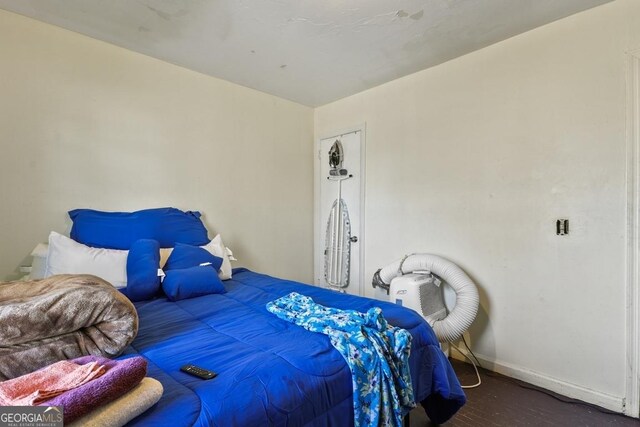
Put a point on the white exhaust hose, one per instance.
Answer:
(460, 318)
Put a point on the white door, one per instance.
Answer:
(328, 191)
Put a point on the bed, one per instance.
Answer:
(270, 372)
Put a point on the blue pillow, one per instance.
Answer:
(186, 256)
(118, 230)
(192, 282)
(143, 261)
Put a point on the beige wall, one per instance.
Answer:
(476, 158)
(87, 124)
(473, 160)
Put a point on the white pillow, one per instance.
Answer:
(217, 248)
(39, 261)
(67, 256)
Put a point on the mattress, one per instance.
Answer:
(270, 372)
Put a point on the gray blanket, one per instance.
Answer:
(62, 317)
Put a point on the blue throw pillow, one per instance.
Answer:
(186, 256)
(118, 230)
(143, 261)
(192, 282)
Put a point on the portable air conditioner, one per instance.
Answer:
(421, 293)
(414, 282)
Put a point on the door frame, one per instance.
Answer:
(318, 243)
(632, 353)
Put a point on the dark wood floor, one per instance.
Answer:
(502, 401)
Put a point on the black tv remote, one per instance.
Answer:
(196, 371)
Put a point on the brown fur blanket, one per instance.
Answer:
(62, 317)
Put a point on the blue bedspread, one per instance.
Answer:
(270, 372)
(376, 352)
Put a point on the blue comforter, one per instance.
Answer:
(270, 372)
(376, 352)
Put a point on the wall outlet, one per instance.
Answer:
(562, 226)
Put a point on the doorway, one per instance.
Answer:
(339, 212)
(632, 392)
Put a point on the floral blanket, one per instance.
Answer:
(376, 352)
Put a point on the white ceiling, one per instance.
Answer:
(309, 51)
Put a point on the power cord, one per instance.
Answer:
(472, 363)
(464, 340)
(529, 387)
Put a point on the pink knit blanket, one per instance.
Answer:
(36, 387)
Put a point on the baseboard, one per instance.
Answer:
(604, 400)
